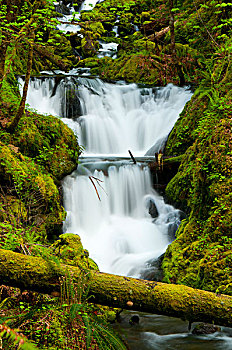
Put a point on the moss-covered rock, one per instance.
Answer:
(71, 252)
(32, 186)
(49, 142)
(201, 254)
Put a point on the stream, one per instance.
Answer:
(110, 202)
(130, 227)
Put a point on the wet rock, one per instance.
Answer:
(172, 228)
(62, 8)
(174, 221)
(153, 210)
(153, 271)
(73, 106)
(134, 320)
(205, 328)
(70, 103)
(77, 4)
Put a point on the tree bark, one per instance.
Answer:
(34, 273)
(3, 50)
(22, 104)
(172, 30)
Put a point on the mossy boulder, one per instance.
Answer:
(42, 150)
(97, 27)
(31, 185)
(89, 44)
(70, 251)
(49, 142)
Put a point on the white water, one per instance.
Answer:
(108, 49)
(114, 117)
(118, 230)
(66, 21)
(88, 5)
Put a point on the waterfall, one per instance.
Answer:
(108, 201)
(111, 118)
(117, 229)
(88, 5)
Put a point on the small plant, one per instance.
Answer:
(90, 331)
(10, 337)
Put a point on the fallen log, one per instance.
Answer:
(159, 35)
(42, 51)
(34, 273)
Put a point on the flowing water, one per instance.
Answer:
(118, 230)
(129, 228)
(123, 235)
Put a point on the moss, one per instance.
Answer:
(145, 16)
(71, 252)
(33, 187)
(13, 208)
(97, 27)
(183, 134)
(200, 256)
(49, 142)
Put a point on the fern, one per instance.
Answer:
(16, 338)
(106, 338)
(74, 309)
(88, 329)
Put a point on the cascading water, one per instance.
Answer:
(113, 117)
(66, 22)
(118, 230)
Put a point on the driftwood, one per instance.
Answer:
(159, 35)
(34, 273)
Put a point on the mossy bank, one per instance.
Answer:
(33, 160)
(201, 254)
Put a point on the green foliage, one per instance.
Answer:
(96, 331)
(12, 338)
(200, 255)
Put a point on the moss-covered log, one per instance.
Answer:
(42, 51)
(35, 273)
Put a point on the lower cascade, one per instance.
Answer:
(118, 229)
(108, 199)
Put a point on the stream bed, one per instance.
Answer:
(157, 332)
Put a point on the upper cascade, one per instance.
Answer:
(112, 118)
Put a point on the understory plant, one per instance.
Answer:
(67, 321)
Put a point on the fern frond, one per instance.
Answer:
(16, 338)
(107, 338)
(74, 309)
(88, 329)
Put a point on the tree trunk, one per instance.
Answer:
(22, 104)
(3, 50)
(172, 31)
(36, 274)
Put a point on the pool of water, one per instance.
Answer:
(155, 332)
